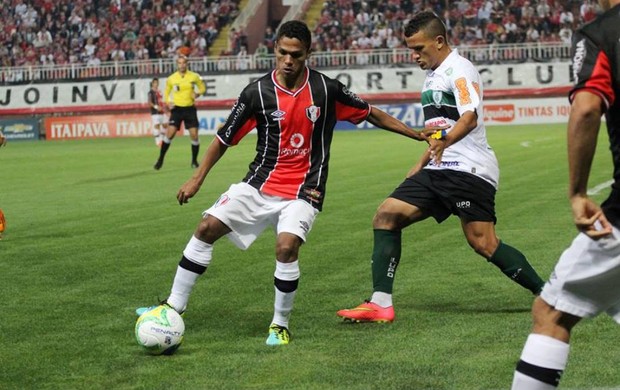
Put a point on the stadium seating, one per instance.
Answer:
(364, 25)
(40, 32)
(65, 35)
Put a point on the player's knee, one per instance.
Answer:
(385, 219)
(287, 250)
(483, 245)
(549, 321)
(209, 230)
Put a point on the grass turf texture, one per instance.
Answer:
(94, 232)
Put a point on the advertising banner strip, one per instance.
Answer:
(374, 84)
(98, 126)
(26, 129)
(496, 112)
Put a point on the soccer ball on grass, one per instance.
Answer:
(160, 331)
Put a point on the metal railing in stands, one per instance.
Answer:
(480, 55)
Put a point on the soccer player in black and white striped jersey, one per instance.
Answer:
(585, 280)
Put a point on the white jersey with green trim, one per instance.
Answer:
(449, 91)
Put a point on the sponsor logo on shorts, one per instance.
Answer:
(222, 200)
(465, 204)
(305, 226)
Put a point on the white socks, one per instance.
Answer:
(199, 254)
(542, 363)
(283, 303)
(182, 286)
(382, 299)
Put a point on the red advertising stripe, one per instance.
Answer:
(97, 126)
(499, 112)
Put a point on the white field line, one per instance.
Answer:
(598, 188)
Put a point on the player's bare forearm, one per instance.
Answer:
(387, 122)
(466, 123)
(440, 140)
(215, 151)
(583, 127)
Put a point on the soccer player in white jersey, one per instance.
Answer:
(458, 175)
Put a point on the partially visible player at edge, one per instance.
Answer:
(294, 110)
(461, 176)
(157, 109)
(2, 220)
(186, 86)
(586, 279)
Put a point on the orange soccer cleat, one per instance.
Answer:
(368, 312)
(2, 223)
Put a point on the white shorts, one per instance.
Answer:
(158, 120)
(586, 279)
(247, 212)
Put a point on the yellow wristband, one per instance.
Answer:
(439, 134)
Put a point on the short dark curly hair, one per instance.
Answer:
(295, 29)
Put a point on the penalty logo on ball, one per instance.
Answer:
(160, 331)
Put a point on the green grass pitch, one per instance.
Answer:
(93, 232)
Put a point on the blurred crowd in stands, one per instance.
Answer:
(372, 24)
(39, 32)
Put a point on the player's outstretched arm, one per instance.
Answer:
(440, 140)
(2, 139)
(215, 151)
(385, 121)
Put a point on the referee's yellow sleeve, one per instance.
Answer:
(202, 88)
(168, 90)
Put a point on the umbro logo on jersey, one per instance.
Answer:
(278, 115)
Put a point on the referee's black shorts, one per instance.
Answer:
(187, 115)
(442, 192)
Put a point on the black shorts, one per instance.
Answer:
(440, 193)
(187, 115)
